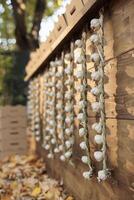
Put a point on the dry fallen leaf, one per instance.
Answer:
(36, 191)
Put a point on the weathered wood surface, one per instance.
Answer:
(119, 101)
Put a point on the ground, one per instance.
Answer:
(25, 178)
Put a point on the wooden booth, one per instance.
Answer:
(81, 99)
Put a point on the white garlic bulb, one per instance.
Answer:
(47, 147)
(88, 174)
(82, 132)
(59, 117)
(68, 131)
(95, 58)
(79, 60)
(98, 155)
(102, 175)
(97, 127)
(56, 150)
(84, 159)
(47, 137)
(59, 85)
(80, 74)
(59, 62)
(53, 141)
(59, 74)
(96, 90)
(95, 24)
(37, 126)
(96, 106)
(68, 95)
(98, 139)
(78, 43)
(59, 95)
(37, 133)
(59, 106)
(52, 122)
(68, 70)
(69, 119)
(81, 116)
(68, 107)
(50, 155)
(62, 158)
(37, 138)
(68, 154)
(52, 64)
(83, 145)
(95, 39)
(68, 144)
(68, 56)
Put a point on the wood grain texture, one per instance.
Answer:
(119, 102)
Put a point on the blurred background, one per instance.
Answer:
(24, 24)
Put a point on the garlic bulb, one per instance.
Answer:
(59, 106)
(68, 56)
(84, 159)
(79, 74)
(68, 107)
(95, 24)
(78, 43)
(83, 145)
(96, 91)
(59, 74)
(37, 126)
(96, 76)
(68, 70)
(53, 64)
(52, 122)
(102, 175)
(96, 107)
(68, 131)
(81, 116)
(62, 158)
(95, 39)
(53, 141)
(68, 95)
(98, 139)
(79, 59)
(47, 137)
(82, 132)
(59, 85)
(59, 62)
(68, 144)
(88, 174)
(37, 138)
(98, 155)
(68, 154)
(47, 147)
(56, 150)
(95, 58)
(59, 117)
(97, 127)
(59, 95)
(50, 155)
(69, 120)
